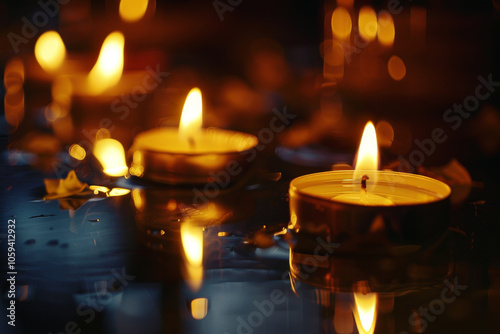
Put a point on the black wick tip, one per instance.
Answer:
(363, 181)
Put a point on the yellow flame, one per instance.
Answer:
(367, 158)
(396, 68)
(341, 23)
(365, 312)
(50, 51)
(111, 155)
(77, 152)
(367, 23)
(199, 308)
(118, 192)
(132, 10)
(108, 69)
(191, 118)
(386, 30)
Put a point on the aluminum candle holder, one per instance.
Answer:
(414, 215)
(162, 157)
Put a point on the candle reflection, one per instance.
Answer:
(192, 243)
(365, 312)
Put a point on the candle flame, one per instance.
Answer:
(108, 69)
(111, 155)
(191, 118)
(132, 10)
(192, 243)
(365, 312)
(386, 30)
(199, 308)
(50, 51)
(367, 22)
(367, 158)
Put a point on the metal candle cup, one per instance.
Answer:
(419, 214)
(327, 230)
(161, 156)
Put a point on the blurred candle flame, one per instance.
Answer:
(50, 51)
(367, 23)
(115, 192)
(132, 10)
(199, 308)
(77, 152)
(341, 23)
(191, 118)
(111, 155)
(386, 31)
(396, 68)
(192, 243)
(365, 312)
(108, 69)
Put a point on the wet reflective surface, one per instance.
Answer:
(151, 261)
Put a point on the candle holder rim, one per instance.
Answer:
(293, 188)
(136, 147)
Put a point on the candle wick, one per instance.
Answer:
(363, 182)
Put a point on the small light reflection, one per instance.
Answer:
(386, 31)
(138, 199)
(341, 23)
(115, 192)
(396, 68)
(199, 308)
(77, 152)
(111, 155)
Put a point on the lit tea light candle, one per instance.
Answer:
(190, 154)
(368, 186)
(367, 210)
